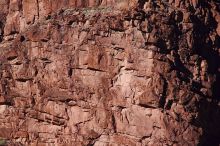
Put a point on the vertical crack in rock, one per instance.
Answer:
(38, 9)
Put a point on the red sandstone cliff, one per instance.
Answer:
(109, 73)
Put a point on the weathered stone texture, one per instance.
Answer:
(108, 76)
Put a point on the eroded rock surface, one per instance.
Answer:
(107, 76)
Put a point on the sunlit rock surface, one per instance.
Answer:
(109, 72)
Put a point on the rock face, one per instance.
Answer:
(104, 76)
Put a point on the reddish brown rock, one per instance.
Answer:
(30, 10)
(90, 72)
(6, 132)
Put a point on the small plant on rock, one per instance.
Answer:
(2, 142)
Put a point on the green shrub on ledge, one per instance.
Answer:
(2, 142)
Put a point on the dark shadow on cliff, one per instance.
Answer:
(208, 110)
(208, 50)
(209, 120)
(2, 25)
